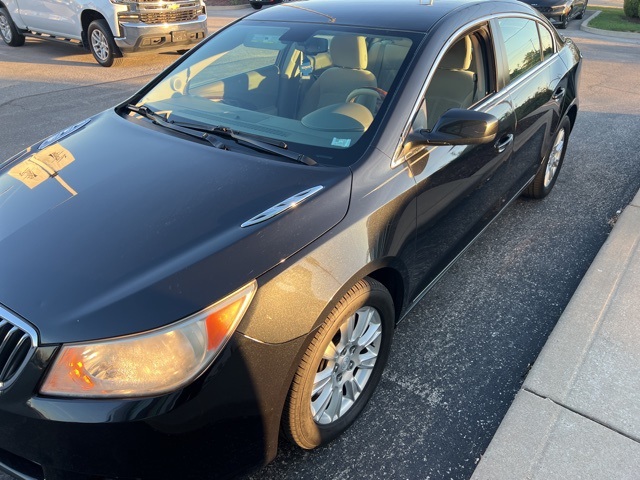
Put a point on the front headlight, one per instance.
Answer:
(151, 363)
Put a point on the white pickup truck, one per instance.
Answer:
(108, 28)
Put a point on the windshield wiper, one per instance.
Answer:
(275, 147)
(163, 122)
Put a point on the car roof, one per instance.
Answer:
(409, 15)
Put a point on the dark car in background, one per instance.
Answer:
(559, 12)
(225, 255)
(257, 4)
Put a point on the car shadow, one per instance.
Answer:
(73, 54)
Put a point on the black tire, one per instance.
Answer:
(580, 16)
(102, 45)
(8, 30)
(256, 6)
(367, 302)
(546, 177)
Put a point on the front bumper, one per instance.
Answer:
(557, 16)
(141, 36)
(225, 422)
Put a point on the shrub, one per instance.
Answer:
(631, 8)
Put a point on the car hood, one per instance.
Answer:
(121, 228)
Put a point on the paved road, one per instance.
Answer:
(460, 357)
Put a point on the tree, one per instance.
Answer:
(631, 8)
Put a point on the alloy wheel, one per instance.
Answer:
(554, 158)
(346, 366)
(100, 45)
(5, 29)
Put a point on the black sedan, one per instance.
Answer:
(560, 11)
(225, 255)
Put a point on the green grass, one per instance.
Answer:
(614, 19)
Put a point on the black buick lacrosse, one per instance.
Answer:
(225, 255)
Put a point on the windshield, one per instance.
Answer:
(318, 88)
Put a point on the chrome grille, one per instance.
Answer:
(16, 346)
(168, 12)
(169, 17)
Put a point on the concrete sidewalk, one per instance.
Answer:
(577, 415)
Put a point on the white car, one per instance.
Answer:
(108, 28)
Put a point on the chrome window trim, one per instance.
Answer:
(398, 159)
(20, 323)
(553, 38)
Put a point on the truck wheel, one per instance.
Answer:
(256, 6)
(9, 31)
(102, 45)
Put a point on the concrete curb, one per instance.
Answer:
(584, 26)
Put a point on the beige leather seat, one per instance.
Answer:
(349, 56)
(385, 60)
(453, 84)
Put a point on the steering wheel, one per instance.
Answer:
(377, 93)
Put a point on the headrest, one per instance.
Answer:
(458, 57)
(348, 51)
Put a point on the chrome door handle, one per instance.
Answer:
(503, 143)
(558, 94)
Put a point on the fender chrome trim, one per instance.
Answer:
(283, 206)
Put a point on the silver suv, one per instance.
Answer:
(108, 28)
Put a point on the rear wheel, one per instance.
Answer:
(257, 6)
(341, 367)
(546, 177)
(580, 16)
(8, 30)
(102, 45)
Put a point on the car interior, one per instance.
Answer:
(324, 90)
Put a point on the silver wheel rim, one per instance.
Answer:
(346, 365)
(100, 45)
(554, 158)
(5, 30)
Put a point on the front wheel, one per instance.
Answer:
(8, 30)
(546, 177)
(341, 367)
(256, 6)
(102, 45)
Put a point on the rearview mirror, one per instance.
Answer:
(459, 127)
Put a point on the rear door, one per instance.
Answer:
(533, 75)
(55, 17)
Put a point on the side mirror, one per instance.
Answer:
(458, 127)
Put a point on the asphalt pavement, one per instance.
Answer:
(578, 412)
(461, 356)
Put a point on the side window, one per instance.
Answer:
(521, 43)
(546, 41)
(460, 80)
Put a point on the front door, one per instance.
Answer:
(460, 189)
